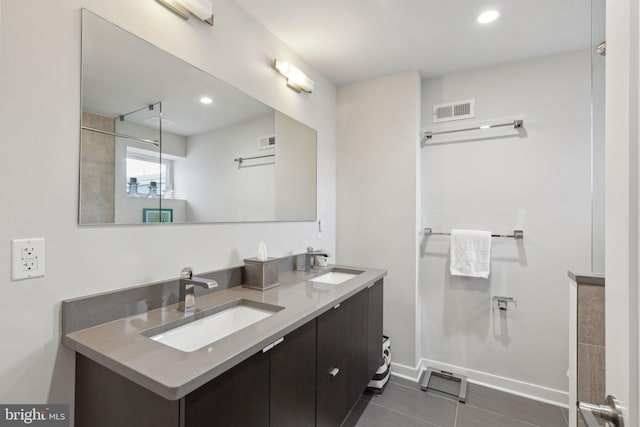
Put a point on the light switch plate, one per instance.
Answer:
(27, 258)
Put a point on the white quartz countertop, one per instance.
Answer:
(121, 346)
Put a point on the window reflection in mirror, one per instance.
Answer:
(151, 144)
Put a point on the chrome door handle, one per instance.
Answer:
(611, 412)
(587, 415)
(334, 372)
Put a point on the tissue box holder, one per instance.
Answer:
(261, 275)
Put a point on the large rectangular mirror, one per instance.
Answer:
(163, 141)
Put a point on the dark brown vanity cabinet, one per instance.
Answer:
(274, 388)
(331, 374)
(332, 341)
(374, 339)
(349, 344)
(292, 397)
(106, 399)
(358, 351)
(312, 378)
(239, 397)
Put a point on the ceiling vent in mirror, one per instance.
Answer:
(454, 111)
(268, 141)
(155, 121)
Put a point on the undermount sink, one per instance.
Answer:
(336, 276)
(208, 326)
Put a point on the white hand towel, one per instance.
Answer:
(470, 253)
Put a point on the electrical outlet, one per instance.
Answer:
(27, 258)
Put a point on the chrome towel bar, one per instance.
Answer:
(517, 234)
(121, 135)
(517, 124)
(242, 159)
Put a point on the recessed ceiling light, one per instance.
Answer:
(488, 16)
(206, 100)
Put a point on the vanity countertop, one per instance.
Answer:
(120, 345)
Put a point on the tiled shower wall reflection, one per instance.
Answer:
(97, 204)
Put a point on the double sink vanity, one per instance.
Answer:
(207, 350)
(298, 354)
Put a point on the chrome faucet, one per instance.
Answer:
(316, 257)
(186, 293)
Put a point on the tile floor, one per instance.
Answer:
(403, 404)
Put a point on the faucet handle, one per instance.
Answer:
(186, 273)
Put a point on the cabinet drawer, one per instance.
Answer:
(332, 405)
(332, 340)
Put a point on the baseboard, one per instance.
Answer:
(406, 372)
(508, 385)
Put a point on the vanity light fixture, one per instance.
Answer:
(202, 9)
(206, 100)
(296, 79)
(488, 16)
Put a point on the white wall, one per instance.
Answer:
(377, 159)
(213, 185)
(539, 183)
(598, 74)
(40, 78)
(296, 172)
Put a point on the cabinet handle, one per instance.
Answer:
(336, 306)
(273, 344)
(334, 372)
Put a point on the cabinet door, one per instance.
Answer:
(357, 311)
(237, 398)
(332, 340)
(293, 379)
(375, 328)
(107, 399)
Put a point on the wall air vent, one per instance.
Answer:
(454, 111)
(268, 141)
